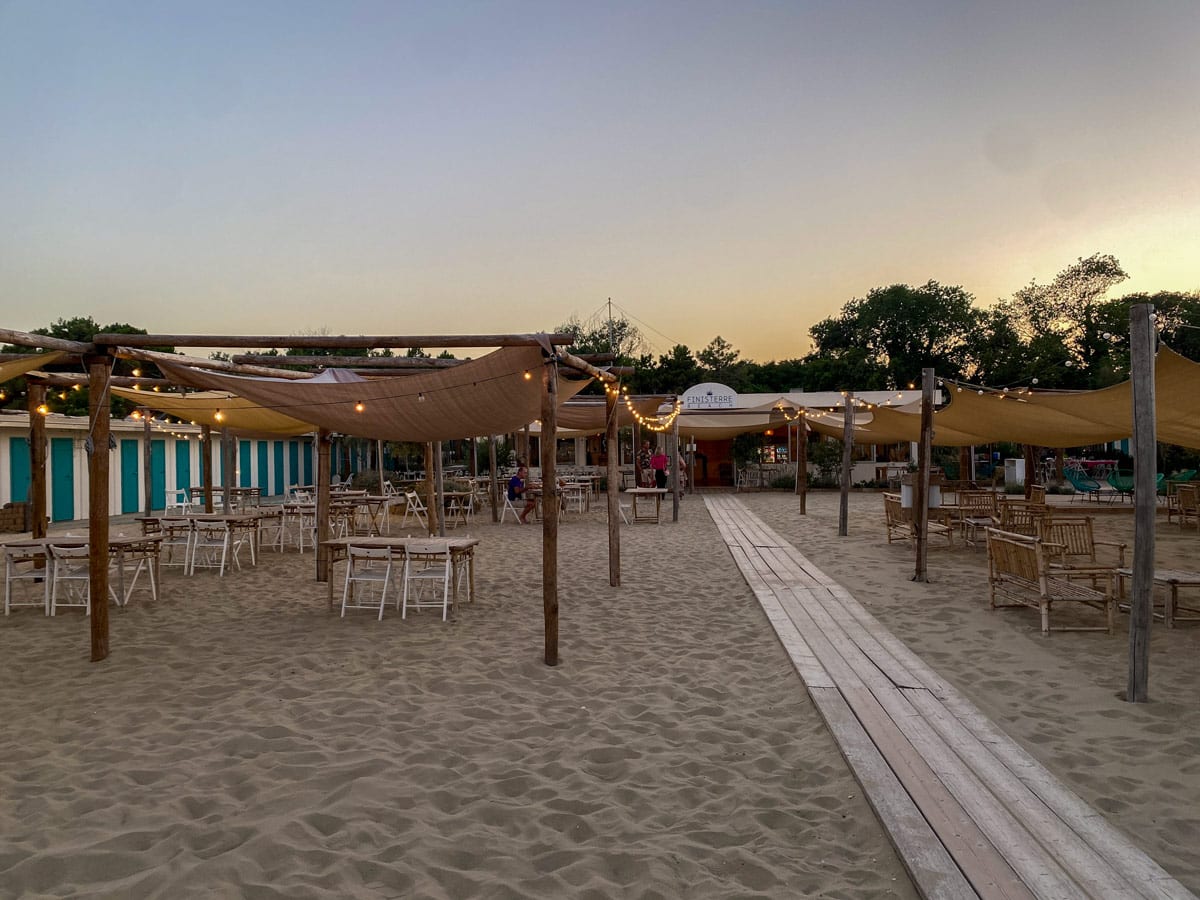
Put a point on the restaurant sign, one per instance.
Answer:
(709, 395)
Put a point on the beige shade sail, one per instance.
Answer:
(1041, 418)
(13, 368)
(495, 394)
(239, 415)
(586, 415)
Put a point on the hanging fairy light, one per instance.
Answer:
(655, 423)
(359, 407)
(219, 416)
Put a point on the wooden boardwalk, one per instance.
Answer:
(970, 813)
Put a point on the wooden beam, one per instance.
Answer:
(64, 379)
(439, 487)
(548, 443)
(216, 365)
(431, 510)
(229, 465)
(1142, 339)
(610, 492)
(25, 339)
(322, 341)
(673, 457)
(348, 362)
(580, 365)
(493, 480)
(206, 466)
(37, 461)
(802, 463)
(99, 367)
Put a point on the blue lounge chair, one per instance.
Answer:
(1122, 483)
(1086, 485)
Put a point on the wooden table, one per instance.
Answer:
(460, 548)
(142, 549)
(656, 493)
(250, 520)
(1170, 578)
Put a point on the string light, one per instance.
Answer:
(655, 423)
(358, 407)
(43, 409)
(528, 375)
(219, 416)
(788, 418)
(420, 396)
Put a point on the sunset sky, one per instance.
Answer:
(737, 168)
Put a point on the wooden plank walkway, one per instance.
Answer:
(970, 813)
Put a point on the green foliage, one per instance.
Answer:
(826, 457)
(746, 449)
(784, 482)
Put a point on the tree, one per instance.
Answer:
(900, 330)
(603, 335)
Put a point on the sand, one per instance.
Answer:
(242, 741)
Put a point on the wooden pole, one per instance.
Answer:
(379, 462)
(324, 448)
(37, 460)
(635, 450)
(439, 485)
(802, 465)
(610, 493)
(673, 456)
(1031, 473)
(921, 488)
(147, 477)
(493, 479)
(549, 511)
(229, 455)
(206, 466)
(99, 368)
(964, 464)
(25, 339)
(432, 513)
(847, 462)
(1142, 339)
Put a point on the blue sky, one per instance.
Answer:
(740, 169)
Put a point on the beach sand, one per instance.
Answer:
(1137, 764)
(244, 741)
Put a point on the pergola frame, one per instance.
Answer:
(100, 352)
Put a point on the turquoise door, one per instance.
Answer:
(18, 471)
(244, 464)
(183, 464)
(130, 476)
(294, 462)
(278, 447)
(308, 478)
(264, 484)
(158, 474)
(62, 486)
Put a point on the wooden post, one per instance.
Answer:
(802, 463)
(206, 466)
(494, 479)
(1060, 455)
(1031, 473)
(673, 456)
(439, 487)
(549, 511)
(37, 460)
(847, 444)
(324, 451)
(921, 487)
(229, 455)
(1142, 339)
(379, 463)
(431, 515)
(99, 369)
(636, 431)
(964, 464)
(614, 499)
(147, 477)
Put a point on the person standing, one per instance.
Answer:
(645, 475)
(658, 463)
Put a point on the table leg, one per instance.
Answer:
(1169, 612)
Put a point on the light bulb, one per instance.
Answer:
(358, 407)
(219, 416)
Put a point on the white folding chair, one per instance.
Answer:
(214, 546)
(368, 569)
(71, 576)
(179, 502)
(21, 565)
(415, 508)
(425, 564)
(508, 507)
(176, 547)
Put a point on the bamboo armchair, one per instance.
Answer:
(1021, 516)
(1020, 574)
(1071, 547)
(1186, 504)
(901, 527)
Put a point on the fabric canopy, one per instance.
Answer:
(239, 415)
(12, 368)
(495, 394)
(586, 415)
(1043, 418)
